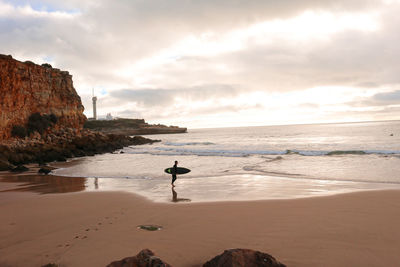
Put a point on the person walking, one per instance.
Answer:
(174, 171)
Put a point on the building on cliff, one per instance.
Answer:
(27, 88)
(109, 117)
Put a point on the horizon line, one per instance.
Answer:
(293, 124)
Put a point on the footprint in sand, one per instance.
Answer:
(80, 237)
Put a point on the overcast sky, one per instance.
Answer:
(216, 63)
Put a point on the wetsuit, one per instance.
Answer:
(174, 171)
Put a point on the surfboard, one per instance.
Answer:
(179, 170)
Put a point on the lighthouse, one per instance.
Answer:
(94, 100)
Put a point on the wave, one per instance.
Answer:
(190, 144)
(349, 152)
(297, 176)
(173, 151)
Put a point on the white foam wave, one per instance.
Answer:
(174, 151)
(189, 144)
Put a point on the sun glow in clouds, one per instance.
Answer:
(291, 107)
(307, 27)
(313, 25)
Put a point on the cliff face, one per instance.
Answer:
(27, 88)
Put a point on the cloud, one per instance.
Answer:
(346, 58)
(107, 34)
(309, 106)
(153, 56)
(167, 97)
(388, 97)
(373, 114)
(384, 99)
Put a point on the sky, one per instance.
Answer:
(218, 63)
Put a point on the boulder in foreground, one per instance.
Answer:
(144, 258)
(243, 258)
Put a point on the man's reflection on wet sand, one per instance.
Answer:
(96, 183)
(176, 199)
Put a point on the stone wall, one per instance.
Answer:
(27, 88)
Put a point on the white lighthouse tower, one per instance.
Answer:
(94, 100)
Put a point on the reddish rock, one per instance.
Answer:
(144, 258)
(27, 88)
(243, 258)
(5, 165)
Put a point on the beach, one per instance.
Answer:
(309, 195)
(288, 136)
(96, 228)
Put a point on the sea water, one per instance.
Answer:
(253, 163)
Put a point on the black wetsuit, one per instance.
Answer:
(174, 173)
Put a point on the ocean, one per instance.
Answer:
(252, 163)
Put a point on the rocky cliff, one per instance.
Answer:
(41, 118)
(27, 88)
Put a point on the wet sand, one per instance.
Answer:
(95, 228)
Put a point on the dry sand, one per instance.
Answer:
(93, 229)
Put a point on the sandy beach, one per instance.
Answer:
(285, 116)
(95, 228)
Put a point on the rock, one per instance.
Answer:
(20, 168)
(150, 227)
(5, 165)
(144, 258)
(46, 65)
(44, 170)
(243, 258)
(18, 158)
(85, 143)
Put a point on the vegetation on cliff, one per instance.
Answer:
(113, 124)
(36, 123)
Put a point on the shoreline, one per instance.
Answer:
(358, 228)
(188, 190)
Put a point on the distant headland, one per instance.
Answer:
(130, 127)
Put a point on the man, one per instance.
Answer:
(174, 171)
